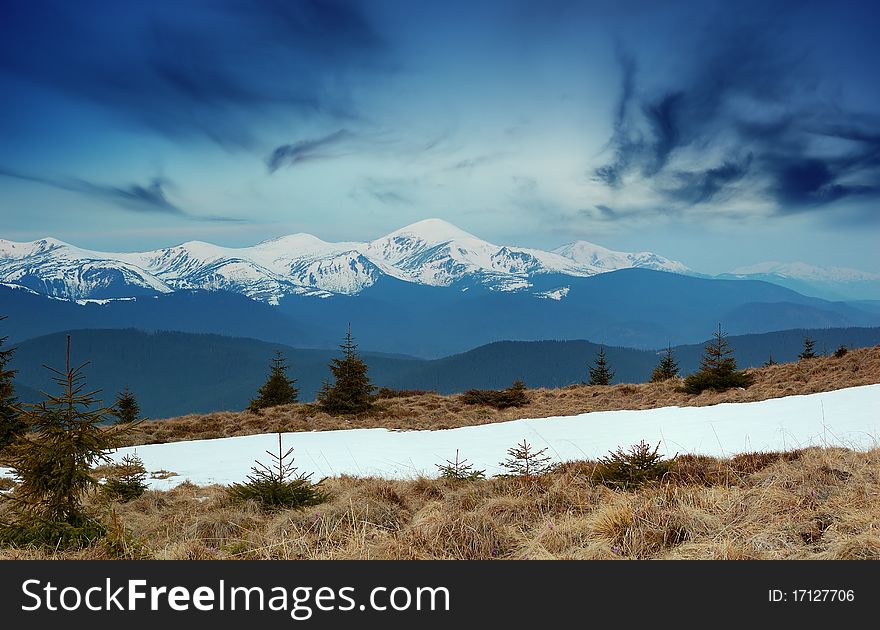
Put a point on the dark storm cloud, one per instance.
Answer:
(749, 99)
(194, 69)
(701, 186)
(146, 199)
(307, 150)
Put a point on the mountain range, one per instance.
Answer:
(431, 252)
(428, 290)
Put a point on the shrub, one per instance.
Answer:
(841, 351)
(522, 461)
(460, 470)
(632, 468)
(126, 480)
(513, 396)
(278, 487)
(389, 392)
(699, 381)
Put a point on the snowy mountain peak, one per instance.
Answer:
(604, 259)
(433, 232)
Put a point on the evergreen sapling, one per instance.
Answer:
(523, 461)
(11, 423)
(601, 374)
(351, 391)
(666, 369)
(278, 388)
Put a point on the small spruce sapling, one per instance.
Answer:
(717, 368)
(523, 461)
(459, 470)
(278, 389)
(666, 369)
(127, 410)
(601, 374)
(808, 352)
(278, 486)
(632, 468)
(126, 480)
(351, 391)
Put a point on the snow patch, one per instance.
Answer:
(847, 417)
(555, 294)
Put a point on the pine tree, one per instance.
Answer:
(717, 368)
(769, 361)
(279, 485)
(55, 468)
(126, 409)
(666, 369)
(525, 462)
(600, 374)
(278, 388)
(460, 470)
(808, 352)
(11, 423)
(352, 390)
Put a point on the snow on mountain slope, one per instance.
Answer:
(438, 253)
(57, 269)
(846, 417)
(431, 252)
(586, 253)
(803, 271)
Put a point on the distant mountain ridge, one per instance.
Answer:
(635, 308)
(432, 252)
(176, 373)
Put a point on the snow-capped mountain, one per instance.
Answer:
(430, 252)
(830, 283)
(585, 253)
(803, 271)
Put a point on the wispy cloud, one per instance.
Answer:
(150, 198)
(308, 150)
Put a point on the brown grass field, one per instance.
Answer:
(432, 411)
(818, 503)
(815, 503)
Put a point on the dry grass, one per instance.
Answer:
(433, 411)
(814, 503)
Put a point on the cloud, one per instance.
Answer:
(744, 123)
(307, 150)
(702, 186)
(218, 71)
(144, 199)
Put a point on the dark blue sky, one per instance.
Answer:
(718, 133)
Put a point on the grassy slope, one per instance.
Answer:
(814, 503)
(817, 503)
(432, 411)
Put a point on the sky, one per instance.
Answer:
(719, 134)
